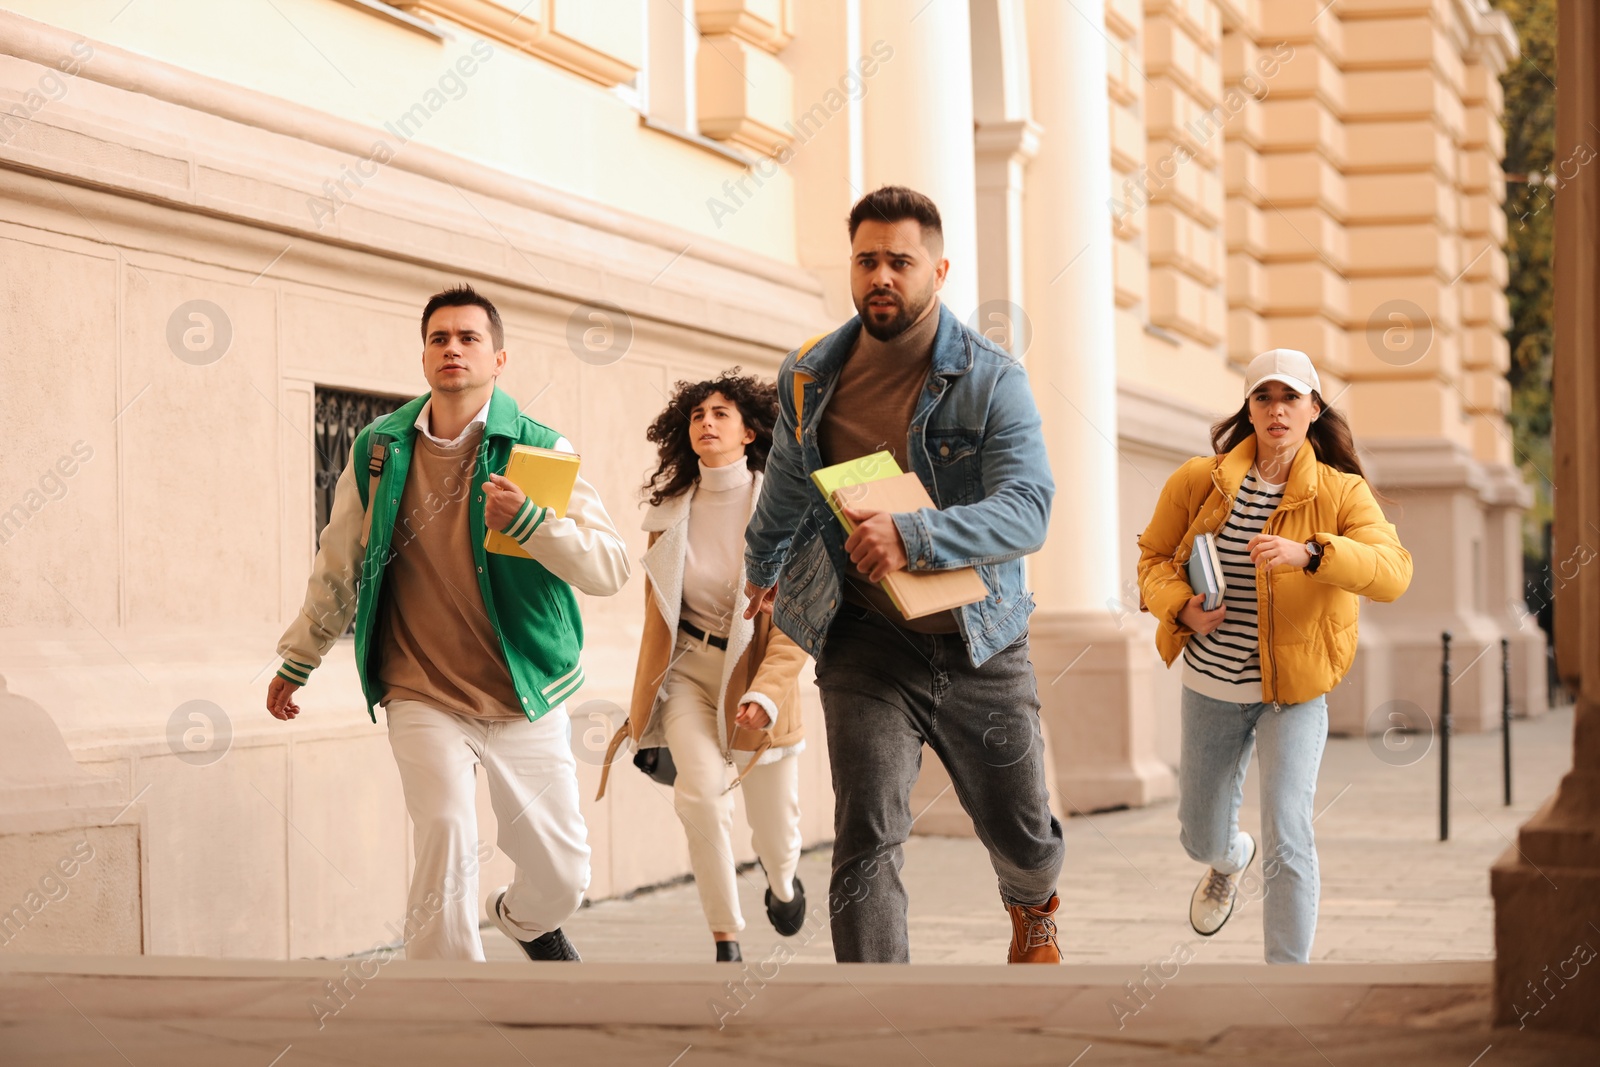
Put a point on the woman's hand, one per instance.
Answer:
(1195, 617)
(752, 716)
(1268, 551)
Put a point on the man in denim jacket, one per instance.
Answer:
(905, 376)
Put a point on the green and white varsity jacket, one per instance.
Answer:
(529, 601)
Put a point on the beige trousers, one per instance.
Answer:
(692, 720)
(533, 787)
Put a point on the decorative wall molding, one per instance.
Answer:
(602, 40)
(541, 239)
(767, 24)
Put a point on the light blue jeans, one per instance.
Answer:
(1218, 736)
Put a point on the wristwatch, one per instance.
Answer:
(1314, 547)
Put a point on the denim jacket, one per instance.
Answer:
(976, 443)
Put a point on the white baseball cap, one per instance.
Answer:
(1287, 365)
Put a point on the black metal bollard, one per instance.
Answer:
(1444, 740)
(1505, 715)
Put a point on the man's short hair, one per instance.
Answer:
(459, 296)
(891, 203)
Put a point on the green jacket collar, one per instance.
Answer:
(1300, 487)
(501, 421)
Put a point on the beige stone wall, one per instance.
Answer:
(162, 569)
(1273, 172)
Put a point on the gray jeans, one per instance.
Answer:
(886, 691)
(1218, 737)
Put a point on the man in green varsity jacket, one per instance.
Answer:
(471, 653)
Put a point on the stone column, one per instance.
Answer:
(1435, 488)
(1504, 500)
(917, 123)
(1547, 888)
(1094, 676)
(825, 163)
(1005, 139)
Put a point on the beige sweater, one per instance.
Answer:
(437, 644)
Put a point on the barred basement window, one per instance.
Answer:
(341, 414)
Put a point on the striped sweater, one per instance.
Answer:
(1225, 664)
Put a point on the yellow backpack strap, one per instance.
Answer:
(800, 382)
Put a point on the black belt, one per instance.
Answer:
(700, 635)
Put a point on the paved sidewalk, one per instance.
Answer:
(1391, 891)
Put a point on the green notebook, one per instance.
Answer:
(873, 468)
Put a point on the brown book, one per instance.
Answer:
(915, 593)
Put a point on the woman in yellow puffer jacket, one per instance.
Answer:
(1300, 538)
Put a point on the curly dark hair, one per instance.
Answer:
(757, 402)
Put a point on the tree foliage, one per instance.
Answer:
(1530, 124)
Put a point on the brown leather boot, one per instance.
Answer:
(1033, 933)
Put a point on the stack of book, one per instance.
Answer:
(1205, 571)
(875, 483)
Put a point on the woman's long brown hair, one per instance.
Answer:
(678, 466)
(1329, 435)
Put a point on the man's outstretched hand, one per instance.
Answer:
(875, 548)
(280, 698)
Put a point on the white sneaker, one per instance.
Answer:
(1214, 897)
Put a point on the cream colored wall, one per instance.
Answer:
(178, 550)
(344, 61)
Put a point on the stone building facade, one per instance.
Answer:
(219, 222)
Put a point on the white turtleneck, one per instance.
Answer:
(713, 562)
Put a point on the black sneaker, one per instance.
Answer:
(551, 946)
(788, 916)
(728, 952)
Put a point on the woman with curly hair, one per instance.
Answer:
(719, 691)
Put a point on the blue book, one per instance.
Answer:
(1205, 571)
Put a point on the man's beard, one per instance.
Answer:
(906, 314)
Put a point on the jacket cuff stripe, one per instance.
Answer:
(561, 682)
(559, 691)
(544, 513)
(297, 673)
(514, 528)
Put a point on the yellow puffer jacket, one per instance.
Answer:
(1307, 621)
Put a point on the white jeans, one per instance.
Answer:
(692, 720)
(533, 787)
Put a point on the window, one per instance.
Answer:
(341, 414)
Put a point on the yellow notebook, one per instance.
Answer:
(876, 483)
(547, 476)
(829, 480)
